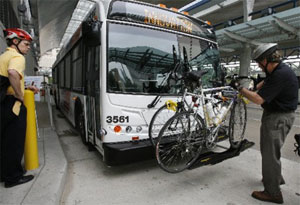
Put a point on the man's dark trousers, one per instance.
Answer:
(273, 132)
(13, 131)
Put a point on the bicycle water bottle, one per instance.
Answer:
(221, 114)
(210, 112)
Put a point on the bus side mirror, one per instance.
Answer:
(91, 33)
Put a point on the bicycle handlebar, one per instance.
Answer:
(236, 77)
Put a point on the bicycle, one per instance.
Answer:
(184, 135)
(170, 108)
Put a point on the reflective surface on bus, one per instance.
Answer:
(155, 16)
(140, 59)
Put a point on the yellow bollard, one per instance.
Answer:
(31, 148)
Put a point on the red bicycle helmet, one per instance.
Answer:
(12, 33)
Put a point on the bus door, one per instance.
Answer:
(93, 92)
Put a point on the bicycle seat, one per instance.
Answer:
(195, 75)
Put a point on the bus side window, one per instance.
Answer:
(77, 69)
(54, 75)
(61, 74)
(68, 72)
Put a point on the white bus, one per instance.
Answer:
(115, 65)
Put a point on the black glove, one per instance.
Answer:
(239, 84)
(234, 84)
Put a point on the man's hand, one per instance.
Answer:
(239, 84)
(259, 85)
(33, 88)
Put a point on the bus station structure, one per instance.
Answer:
(238, 25)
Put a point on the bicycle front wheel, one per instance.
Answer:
(159, 119)
(237, 123)
(180, 142)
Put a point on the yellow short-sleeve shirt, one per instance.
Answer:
(11, 59)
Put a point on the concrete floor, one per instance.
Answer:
(90, 181)
(87, 180)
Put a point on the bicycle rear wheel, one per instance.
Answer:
(237, 123)
(180, 142)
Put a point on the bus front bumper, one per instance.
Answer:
(127, 152)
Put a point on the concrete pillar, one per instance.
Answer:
(245, 60)
(245, 56)
(248, 6)
(2, 39)
(30, 64)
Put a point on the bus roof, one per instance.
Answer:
(145, 13)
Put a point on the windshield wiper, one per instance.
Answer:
(185, 61)
(161, 86)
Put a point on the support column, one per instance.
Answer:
(248, 8)
(245, 60)
(245, 56)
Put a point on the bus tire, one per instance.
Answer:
(90, 147)
(80, 125)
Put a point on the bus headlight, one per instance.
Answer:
(102, 132)
(128, 129)
(139, 129)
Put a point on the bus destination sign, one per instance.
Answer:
(156, 16)
(168, 21)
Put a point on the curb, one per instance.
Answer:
(49, 185)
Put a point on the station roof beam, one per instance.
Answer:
(241, 39)
(286, 27)
(264, 30)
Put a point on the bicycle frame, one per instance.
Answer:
(201, 98)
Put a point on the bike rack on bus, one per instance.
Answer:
(211, 158)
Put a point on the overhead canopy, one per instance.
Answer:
(51, 19)
(273, 21)
(282, 28)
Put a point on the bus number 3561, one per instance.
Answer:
(117, 119)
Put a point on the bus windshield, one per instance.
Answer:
(141, 59)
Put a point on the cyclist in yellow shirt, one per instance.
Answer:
(13, 112)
